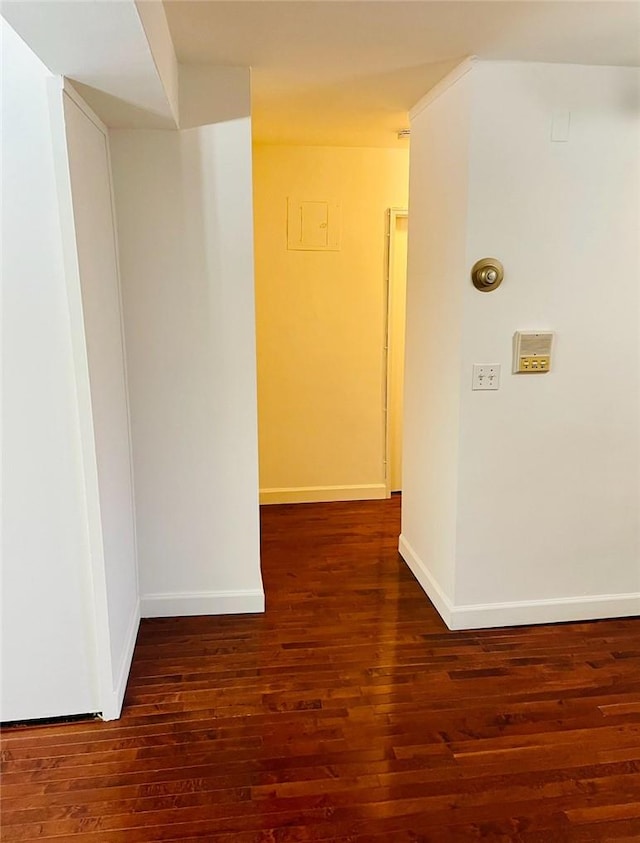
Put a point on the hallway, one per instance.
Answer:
(347, 712)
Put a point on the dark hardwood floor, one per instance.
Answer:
(347, 712)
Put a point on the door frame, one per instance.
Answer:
(393, 215)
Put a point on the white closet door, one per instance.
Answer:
(90, 173)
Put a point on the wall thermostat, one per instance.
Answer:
(532, 352)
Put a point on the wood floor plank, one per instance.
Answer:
(346, 713)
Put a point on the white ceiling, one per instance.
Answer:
(347, 72)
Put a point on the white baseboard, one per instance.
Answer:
(429, 585)
(202, 603)
(518, 613)
(555, 610)
(112, 706)
(323, 494)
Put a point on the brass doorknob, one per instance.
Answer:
(487, 274)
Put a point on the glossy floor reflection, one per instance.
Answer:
(348, 713)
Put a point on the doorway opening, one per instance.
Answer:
(325, 337)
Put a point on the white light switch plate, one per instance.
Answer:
(486, 376)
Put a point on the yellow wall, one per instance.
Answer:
(321, 322)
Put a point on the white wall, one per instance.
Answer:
(438, 188)
(184, 214)
(547, 506)
(48, 632)
(564, 217)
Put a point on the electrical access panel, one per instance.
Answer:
(313, 226)
(532, 352)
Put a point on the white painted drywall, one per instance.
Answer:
(438, 188)
(549, 474)
(210, 94)
(125, 69)
(48, 631)
(544, 523)
(184, 210)
(97, 262)
(156, 29)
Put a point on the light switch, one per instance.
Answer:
(560, 125)
(486, 376)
